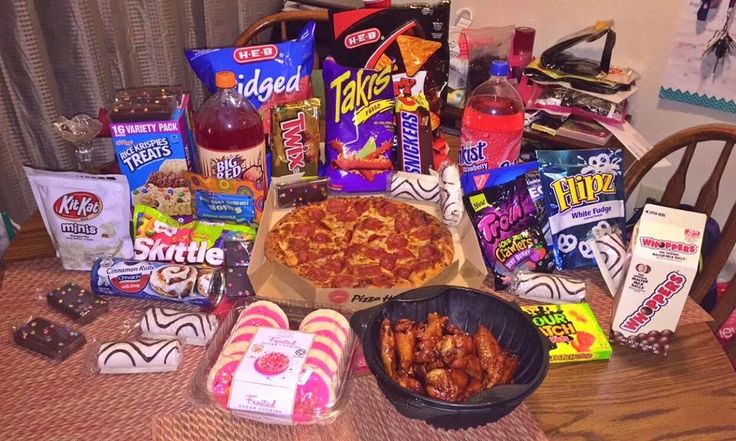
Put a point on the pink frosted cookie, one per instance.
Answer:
(327, 319)
(267, 309)
(314, 396)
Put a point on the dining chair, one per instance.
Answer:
(689, 139)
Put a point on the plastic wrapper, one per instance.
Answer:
(44, 337)
(295, 138)
(360, 130)
(320, 392)
(484, 46)
(193, 328)
(293, 194)
(220, 207)
(583, 190)
(138, 356)
(609, 249)
(87, 216)
(451, 195)
(507, 223)
(267, 74)
(563, 99)
(256, 190)
(76, 303)
(548, 288)
(413, 135)
(415, 187)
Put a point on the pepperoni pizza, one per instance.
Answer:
(361, 242)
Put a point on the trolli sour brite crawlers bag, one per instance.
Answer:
(583, 191)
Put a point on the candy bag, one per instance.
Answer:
(359, 124)
(295, 138)
(507, 224)
(157, 237)
(267, 75)
(87, 216)
(583, 190)
(213, 185)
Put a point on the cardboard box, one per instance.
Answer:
(665, 251)
(276, 281)
(142, 148)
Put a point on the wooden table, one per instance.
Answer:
(686, 395)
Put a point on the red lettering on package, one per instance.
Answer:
(78, 206)
(361, 38)
(250, 54)
(655, 302)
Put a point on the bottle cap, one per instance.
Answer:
(225, 80)
(499, 68)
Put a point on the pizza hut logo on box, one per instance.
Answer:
(361, 38)
(78, 206)
(250, 54)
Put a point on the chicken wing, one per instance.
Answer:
(447, 384)
(455, 348)
(428, 337)
(488, 346)
(405, 333)
(410, 383)
(509, 369)
(387, 344)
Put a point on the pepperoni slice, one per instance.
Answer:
(306, 256)
(402, 223)
(388, 261)
(316, 274)
(368, 270)
(373, 252)
(387, 209)
(382, 281)
(360, 205)
(298, 244)
(372, 224)
(333, 265)
(374, 237)
(421, 265)
(347, 216)
(343, 281)
(423, 233)
(316, 214)
(305, 230)
(396, 241)
(429, 252)
(336, 206)
(403, 272)
(403, 253)
(419, 218)
(321, 238)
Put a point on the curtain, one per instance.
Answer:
(63, 57)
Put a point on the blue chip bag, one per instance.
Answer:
(583, 189)
(267, 75)
(359, 127)
(219, 207)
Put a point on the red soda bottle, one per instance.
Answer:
(493, 122)
(229, 134)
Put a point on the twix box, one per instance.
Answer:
(665, 251)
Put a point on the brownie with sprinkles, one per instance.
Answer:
(77, 303)
(47, 338)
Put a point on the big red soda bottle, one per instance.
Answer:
(493, 122)
(229, 134)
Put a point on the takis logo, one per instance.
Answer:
(409, 132)
(643, 314)
(250, 54)
(577, 190)
(473, 153)
(668, 245)
(357, 95)
(292, 131)
(78, 206)
(361, 38)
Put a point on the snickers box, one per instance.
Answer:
(153, 155)
(665, 251)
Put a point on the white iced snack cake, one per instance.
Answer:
(87, 216)
(193, 328)
(550, 288)
(139, 356)
(414, 186)
(665, 252)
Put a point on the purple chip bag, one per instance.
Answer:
(508, 227)
(359, 120)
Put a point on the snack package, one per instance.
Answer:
(451, 194)
(552, 288)
(235, 272)
(267, 75)
(360, 132)
(411, 40)
(476, 181)
(76, 303)
(145, 355)
(47, 338)
(582, 189)
(295, 138)
(413, 135)
(507, 223)
(665, 253)
(173, 282)
(192, 328)
(302, 192)
(160, 238)
(215, 188)
(563, 99)
(415, 187)
(572, 330)
(484, 46)
(87, 216)
(218, 207)
(609, 249)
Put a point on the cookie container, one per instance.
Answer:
(295, 312)
(466, 308)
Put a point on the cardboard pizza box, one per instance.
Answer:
(275, 281)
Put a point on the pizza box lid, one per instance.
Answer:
(275, 281)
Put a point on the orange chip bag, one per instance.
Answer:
(256, 190)
(415, 52)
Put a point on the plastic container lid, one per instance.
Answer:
(499, 68)
(225, 80)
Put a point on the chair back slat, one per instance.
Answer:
(676, 186)
(709, 193)
(280, 18)
(725, 305)
(713, 264)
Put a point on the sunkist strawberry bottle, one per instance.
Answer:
(493, 123)
(229, 134)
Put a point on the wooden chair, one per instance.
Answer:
(672, 196)
(281, 18)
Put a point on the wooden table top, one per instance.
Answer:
(686, 395)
